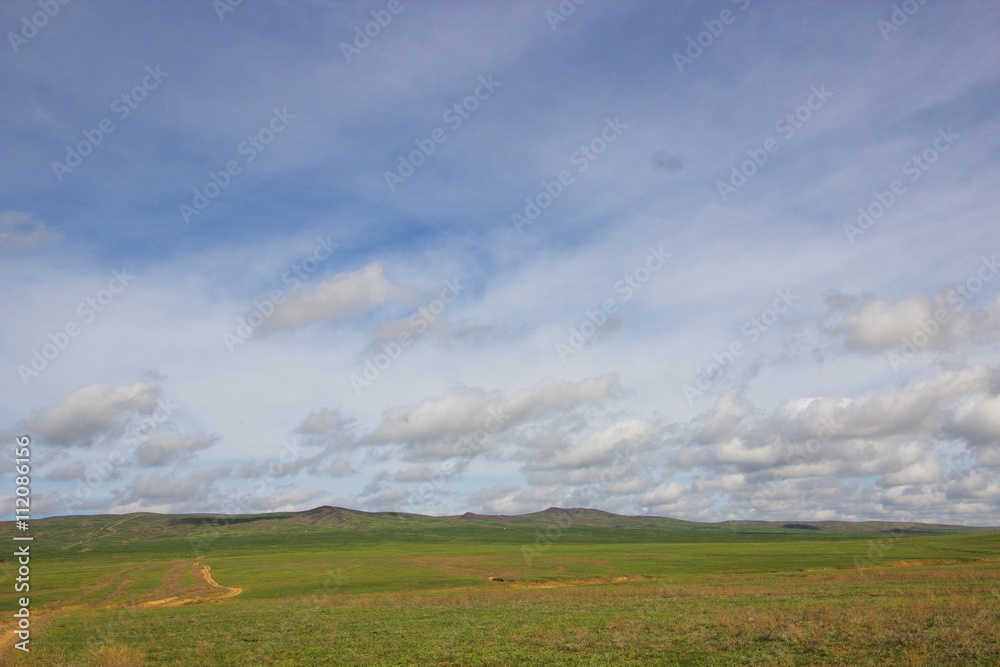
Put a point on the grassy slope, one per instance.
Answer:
(333, 586)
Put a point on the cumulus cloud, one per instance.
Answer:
(916, 322)
(981, 485)
(92, 412)
(338, 468)
(913, 408)
(803, 459)
(171, 448)
(162, 492)
(460, 410)
(324, 421)
(729, 410)
(342, 297)
(978, 419)
(283, 466)
(923, 471)
(661, 497)
(413, 474)
(387, 501)
(73, 471)
(498, 499)
(800, 459)
(293, 460)
(600, 448)
(988, 456)
(551, 395)
(509, 499)
(878, 324)
(466, 420)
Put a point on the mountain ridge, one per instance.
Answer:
(577, 515)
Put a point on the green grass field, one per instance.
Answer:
(561, 587)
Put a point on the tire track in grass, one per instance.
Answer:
(181, 600)
(45, 615)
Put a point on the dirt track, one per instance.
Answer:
(180, 600)
(43, 617)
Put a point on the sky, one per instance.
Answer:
(705, 260)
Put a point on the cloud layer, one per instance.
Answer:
(494, 263)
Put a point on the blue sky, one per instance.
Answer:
(705, 260)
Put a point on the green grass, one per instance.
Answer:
(345, 588)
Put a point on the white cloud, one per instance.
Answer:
(91, 412)
(662, 497)
(413, 474)
(393, 499)
(325, 421)
(170, 488)
(169, 449)
(910, 409)
(924, 471)
(602, 447)
(343, 297)
(978, 419)
(918, 323)
(746, 454)
(550, 395)
(729, 410)
(460, 410)
(70, 472)
(339, 468)
(466, 420)
(878, 324)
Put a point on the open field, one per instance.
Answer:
(335, 587)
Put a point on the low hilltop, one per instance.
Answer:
(321, 527)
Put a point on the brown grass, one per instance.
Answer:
(944, 613)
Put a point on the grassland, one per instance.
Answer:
(561, 587)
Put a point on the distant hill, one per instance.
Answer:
(317, 528)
